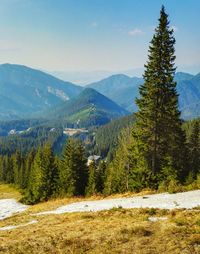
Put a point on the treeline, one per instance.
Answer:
(33, 138)
(104, 140)
(123, 176)
(42, 175)
(6, 126)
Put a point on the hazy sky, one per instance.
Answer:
(93, 34)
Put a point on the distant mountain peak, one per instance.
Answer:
(88, 108)
(25, 91)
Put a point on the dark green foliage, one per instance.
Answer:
(158, 136)
(96, 178)
(156, 151)
(100, 177)
(51, 172)
(36, 184)
(17, 168)
(91, 186)
(73, 169)
(30, 139)
(118, 172)
(194, 148)
(43, 180)
(105, 139)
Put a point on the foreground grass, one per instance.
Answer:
(9, 191)
(114, 231)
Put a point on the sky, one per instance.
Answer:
(89, 35)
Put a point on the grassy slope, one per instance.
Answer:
(113, 231)
(8, 191)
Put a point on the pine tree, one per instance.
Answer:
(81, 173)
(118, 172)
(67, 169)
(3, 168)
(100, 177)
(9, 169)
(73, 169)
(91, 186)
(157, 133)
(194, 146)
(27, 167)
(50, 171)
(17, 161)
(35, 189)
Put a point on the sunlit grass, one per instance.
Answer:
(114, 231)
(9, 191)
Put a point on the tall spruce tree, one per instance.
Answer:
(81, 175)
(67, 168)
(35, 188)
(159, 139)
(100, 176)
(194, 146)
(117, 177)
(17, 162)
(50, 171)
(91, 186)
(73, 169)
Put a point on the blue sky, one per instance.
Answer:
(92, 35)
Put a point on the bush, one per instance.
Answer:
(174, 186)
(171, 186)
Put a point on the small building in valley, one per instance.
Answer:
(95, 158)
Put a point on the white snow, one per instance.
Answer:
(154, 219)
(18, 226)
(8, 207)
(186, 200)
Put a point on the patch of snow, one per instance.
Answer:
(59, 93)
(18, 226)
(12, 132)
(37, 93)
(46, 103)
(8, 207)
(71, 131)
(154, 219)
(186, 200)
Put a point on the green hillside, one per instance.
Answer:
(90, 108)
(24, 91)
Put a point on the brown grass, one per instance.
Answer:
(115, 231)
(9, 191)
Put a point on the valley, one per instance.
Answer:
(99, 127)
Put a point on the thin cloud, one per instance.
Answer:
(136, 32)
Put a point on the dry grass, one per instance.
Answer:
(114, 231)
(9, 191)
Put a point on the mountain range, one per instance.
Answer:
(120, 88)
(26, 92)
(89, 108)
(124, 89)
